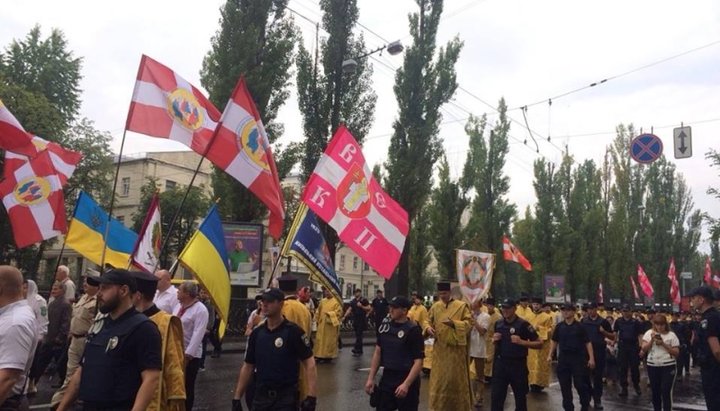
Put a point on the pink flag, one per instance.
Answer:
(708, 272)
(13, 136)
(647, 288)
(65, 161)
(343, 192)
(634, 288)
(600, 296)
(674, 287)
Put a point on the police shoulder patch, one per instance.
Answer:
(531, 328)
(704, 324)
(306, 340)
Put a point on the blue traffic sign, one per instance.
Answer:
(646, 148)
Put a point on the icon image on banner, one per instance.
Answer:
(646, 148)
(252, 141)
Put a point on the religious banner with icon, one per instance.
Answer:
(554, 289)
(474, 272)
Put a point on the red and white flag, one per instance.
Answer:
(65, 161)
(34, 200)
(708, 272)
(241, 148)
(343, 192)
(674, 286)
(13, 136)
(146, 254)
(634, 288)
(165, 105)
(512, 253)
(600, 296)
(644, 281)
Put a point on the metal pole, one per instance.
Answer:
(112, 202)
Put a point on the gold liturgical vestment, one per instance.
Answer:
(295, 311)
(450, 377)
(489, 345)
(328, 317)
(170, 395)
(538, 366)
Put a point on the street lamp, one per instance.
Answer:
(394, 48)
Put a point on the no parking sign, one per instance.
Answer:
(646, 148)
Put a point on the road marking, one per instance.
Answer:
(40, 406)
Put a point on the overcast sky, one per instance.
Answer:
(523, 50)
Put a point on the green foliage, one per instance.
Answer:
(425, 82)
(95, 171)
(420, 255)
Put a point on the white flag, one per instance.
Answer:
(147, 249)
(474, 271)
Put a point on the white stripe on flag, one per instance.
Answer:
(180, 134)
(386, 229)
(9, 201)
(330, 171)
(243, 169)
(150, 94)
(44, 218)
(234, 115)
(182, 83)
(62, 167)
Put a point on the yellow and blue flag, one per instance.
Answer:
(87, 228)
(205, 255)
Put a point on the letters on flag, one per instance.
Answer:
(63, 160)
(34, 200)
(13, 136)
(165, 105)
(343, 192)
(634, 288)
(146, 254)
(645, 285)
(512, 253)
(708, 272)
(206, 257)
(674, 287)
(306, 242)
(600, 295)
(241, 148)
(474, 272)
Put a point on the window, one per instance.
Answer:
(349, 291)
(366, 267)
(170, 185)
(125, 188)
(342, 263)
(355, 263)
(120, 218)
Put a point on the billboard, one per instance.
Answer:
(243, 242)
(554, 286)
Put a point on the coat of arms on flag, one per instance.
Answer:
(474, 272)
(147, 249)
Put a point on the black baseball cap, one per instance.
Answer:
(568, 306)
(146, 282)
(400, 301)
(118, 276)
(273, 294)
(490, 301)
(508, 303)
(704, 292)
(626, 307)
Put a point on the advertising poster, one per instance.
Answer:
(244, 247)
(555, 289)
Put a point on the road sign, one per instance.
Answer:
(682, 137)
(646, 148)
(686, 275)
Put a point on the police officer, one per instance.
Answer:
(708, 346)
(628, 332)
(399, 350)
(598, 329)
(120, 369)
(274, 352)
(679, 328)
(575, 358)
(512, 336)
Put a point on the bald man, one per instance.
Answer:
(17, 339)
(166, 296)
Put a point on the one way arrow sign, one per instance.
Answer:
(682, 137)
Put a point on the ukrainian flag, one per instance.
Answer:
(206, 257)
(87, 229)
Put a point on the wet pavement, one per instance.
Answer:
(341, 387)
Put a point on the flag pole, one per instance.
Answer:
(112, 201)
(302, 209)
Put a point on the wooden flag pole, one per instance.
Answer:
(112, 202)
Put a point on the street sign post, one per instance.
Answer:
(686, 275)
(682, 139)
(646, 148)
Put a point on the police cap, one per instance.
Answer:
(400, 301)
(508, 303)
(591, 305)
(118, 276)
(704, 292)
(490, 301)
(272, 294)
(568, 306)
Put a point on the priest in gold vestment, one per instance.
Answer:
(538, 367)
(328, 317)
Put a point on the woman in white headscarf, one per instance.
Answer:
(39, 306)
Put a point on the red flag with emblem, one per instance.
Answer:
(512, 253)
(13, 136)
(343, 192)
(165, 105)
(674, 287)
(63, 160)
(645, 284)
(34, 201)
(708, 272)
(634, 288)
(241, 148)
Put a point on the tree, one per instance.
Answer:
(95, 171)
(420, 253)
(425, 82)
(256, 39)
(45, 67)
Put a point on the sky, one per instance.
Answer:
(526, 51)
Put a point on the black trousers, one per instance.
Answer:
(572, 370)
(411, 402)
(662, 380)
(710, 377)
(629, 359)
(15, 403)
(191, 372)
(683, 361)
(280, 399)
(596, 375)
(43, 356)
(359, 330)
(512, 372)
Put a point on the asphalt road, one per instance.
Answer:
(340, 387)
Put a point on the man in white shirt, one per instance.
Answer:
(62, 275)
(17, 339)
(166, 297)
(194, 318)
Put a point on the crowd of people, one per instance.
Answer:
(133, 341)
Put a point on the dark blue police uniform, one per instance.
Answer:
(592, 328)
(359, 317)
(114, 358)
(628, 356)
(680, 329)
(400, 345)
(572, 367)
(510, 363)
(380, 310)
(709, 366)
(276, 355)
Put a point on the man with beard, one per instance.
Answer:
(120, 369)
